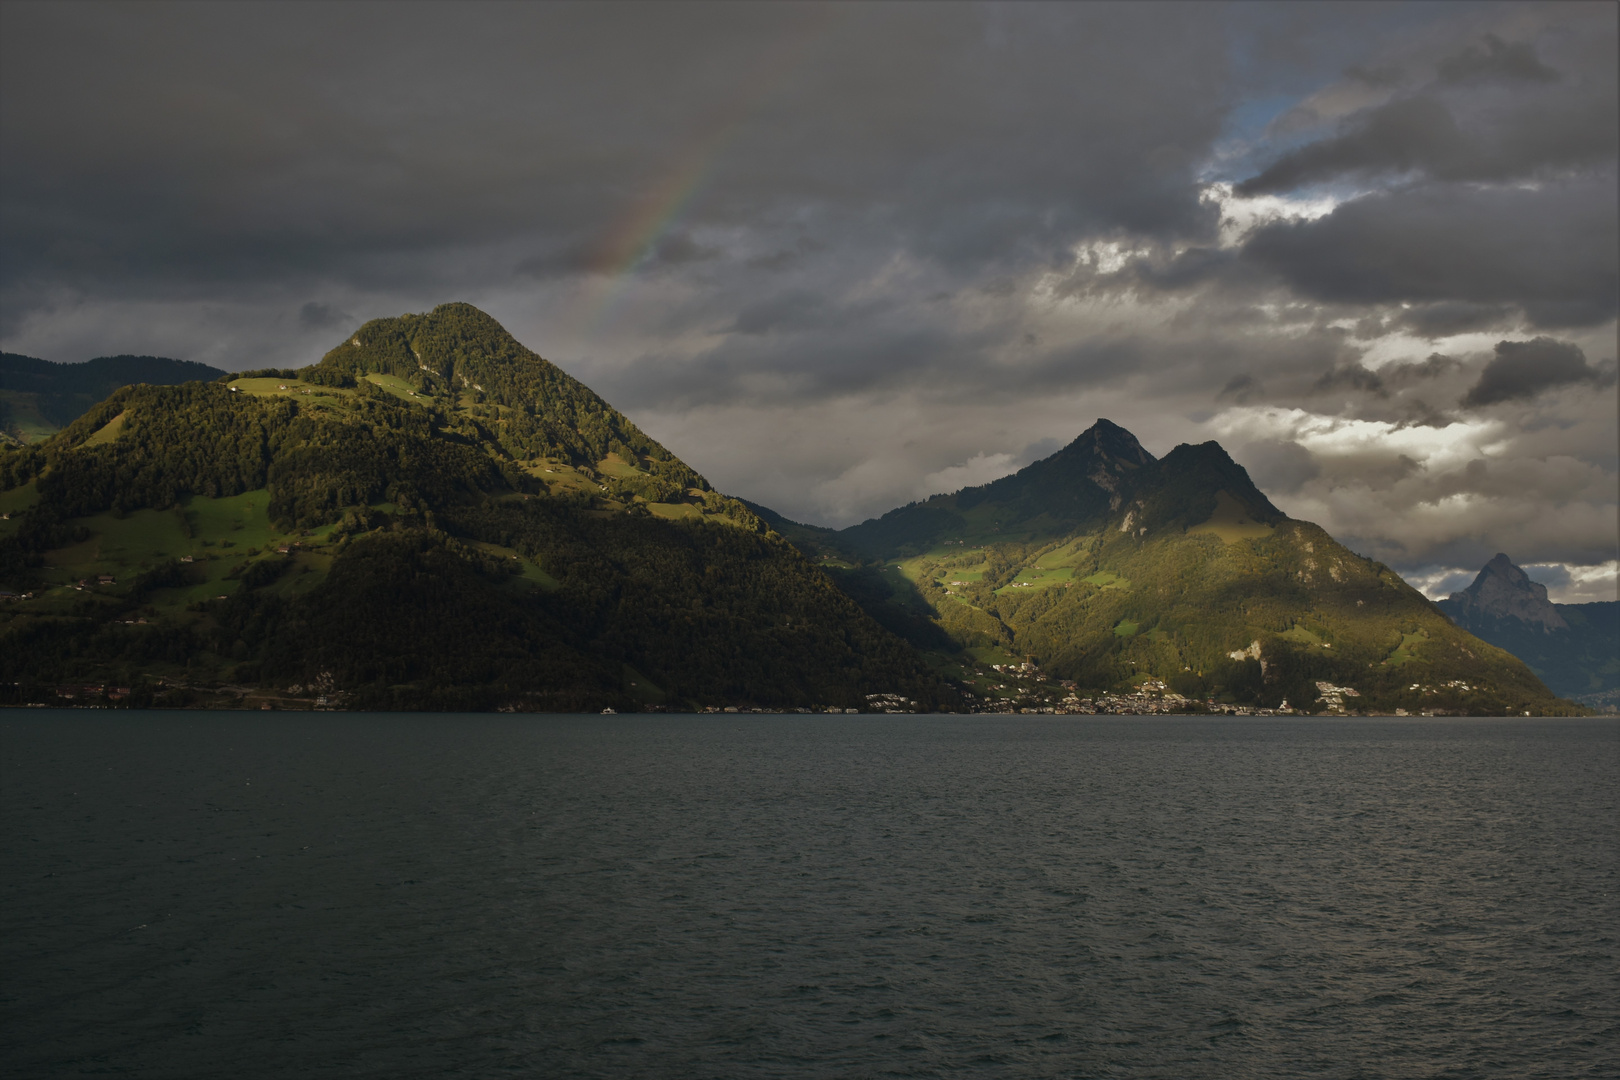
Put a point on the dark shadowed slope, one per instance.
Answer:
(38, 398)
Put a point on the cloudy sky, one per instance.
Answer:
(842, 256)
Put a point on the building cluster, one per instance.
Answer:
(1333, 696)
(76, 691)
(832, 711)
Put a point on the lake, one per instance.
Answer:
(324, 894)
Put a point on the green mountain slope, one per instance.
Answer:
(1111, 569)
(432, 516)
(38, 398)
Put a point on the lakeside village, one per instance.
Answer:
(1035, 694)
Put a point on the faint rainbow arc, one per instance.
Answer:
(650, 217)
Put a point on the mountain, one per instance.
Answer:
(1574, 648)
(1112, 570)
(38, 398)
(432, 516)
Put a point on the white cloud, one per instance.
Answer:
(1572, 584)
(1240, 215)
(1449, 447)
(979, 469)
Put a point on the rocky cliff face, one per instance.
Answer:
(1574, 648)
(1503, 591)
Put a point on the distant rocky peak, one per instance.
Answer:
(1106, 439)
(1503, 591)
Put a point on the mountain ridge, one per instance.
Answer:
(1110, 568)
(1574, 648)
(432, 515)
(485, 531)
(40, 397)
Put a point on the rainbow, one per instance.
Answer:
(627, 244)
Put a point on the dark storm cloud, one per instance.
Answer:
(830, 250)
(1435, 366)
(1278, 467)
(1497, 112)
(315, 315)
(795, 310)
(1494, 58)
(157, 147)
(1240, 389)
(1553, 250)
(1401, 136)
(1352, 377)
(1443, 318)
(679, 249)
(1523, 369)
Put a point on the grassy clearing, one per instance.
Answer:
(1407, 650)
(108, 431)
(18, 499)
(127, 546)
(244, 519)
(121, 546)
(295, 388)
(1300, 635)
(1064, 555)
(1038, 579)
(396, 386)
(529, 570)
(614, 465)
(675, 511)
(993, 654)
(1125, 628)
(1230, 522)
(1107, 579)
(26, 421)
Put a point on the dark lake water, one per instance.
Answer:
(230, 895)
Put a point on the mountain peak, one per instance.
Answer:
(1107, 439)
(1503, 591)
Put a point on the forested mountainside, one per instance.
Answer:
(1574, 648)
(1108, 568)
(431, 516)
(38, 398)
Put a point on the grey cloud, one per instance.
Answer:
(318, 316)
(796, 310)
(248, 145)
(1278, 467)
(1240, 389)
(1436, 365)
(1523, 369)
(1401, 136)
(801, 237)
(1351, 377)
(1554, 251)
(1497, 113)
(1443, 318)
(1498, 59)
(680, 248)
(565, 259)
(1375, 75)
